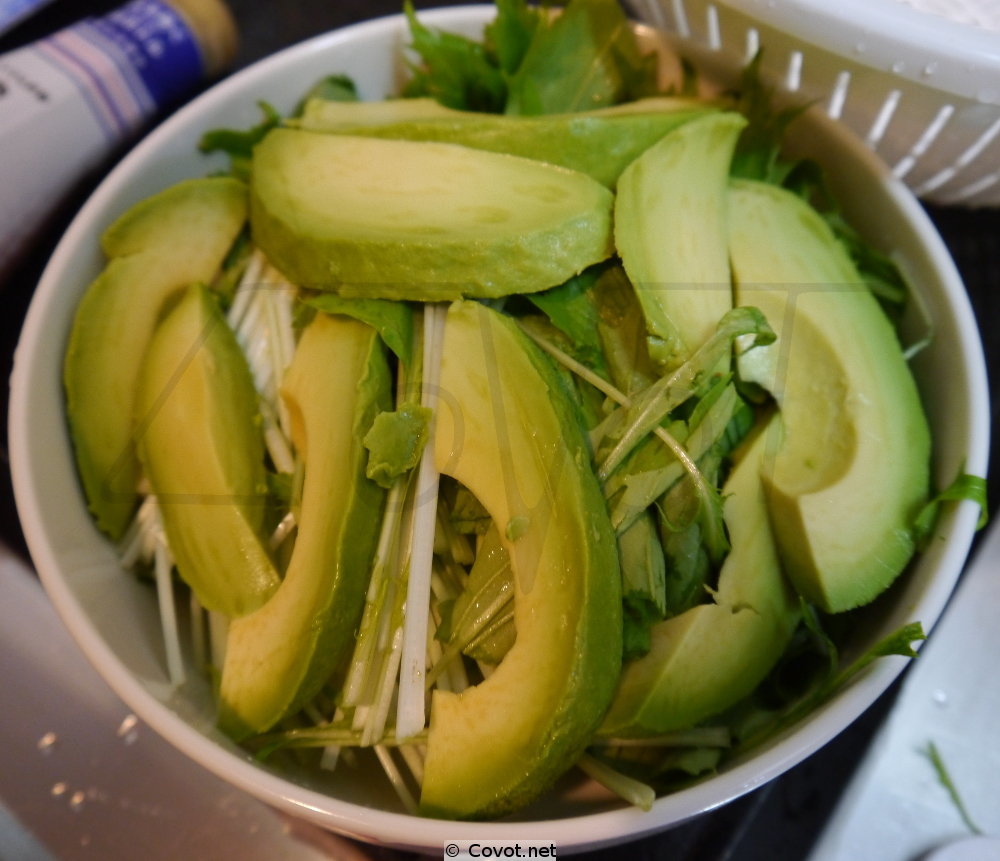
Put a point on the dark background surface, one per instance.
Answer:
(778, 821)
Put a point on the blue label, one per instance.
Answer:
(159, 46)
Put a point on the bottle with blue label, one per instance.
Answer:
(71, 99)
(13, 12)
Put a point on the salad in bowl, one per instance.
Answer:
(476, 416)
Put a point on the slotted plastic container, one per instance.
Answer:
(920, 84)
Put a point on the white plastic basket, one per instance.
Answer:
(922, 88)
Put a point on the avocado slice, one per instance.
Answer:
(853, 466)
(116, 318)
(510, 433)
(421, 220)
(670, 230)
(709, 657)
(600, 143)
(279, 656)
(200, 444)
(336, 115)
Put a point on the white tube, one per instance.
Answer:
(70, 100)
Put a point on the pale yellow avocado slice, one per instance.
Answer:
(508, 430)
(600, 143)
(670, 231)
(711, 656)
(202, 450)
(853, 467)
(333, 115)
(157, 248)
(421, 220)
(278, 657)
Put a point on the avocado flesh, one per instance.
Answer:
(512, 436)
(279, 656)
(853, 466)
(670, 230)
(116, 318)
(600, 143)
(327, 115)
(201, 449)
(418, 220)
(711, 656)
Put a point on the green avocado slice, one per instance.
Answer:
(279, 656)
(201, 448)
(670, 230)
(853, 467)
(116, 318)
(509, 431)
(600, 143)
(709, 657)
(419, 220)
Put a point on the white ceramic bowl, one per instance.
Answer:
(115, 621)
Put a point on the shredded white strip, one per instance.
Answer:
(377, 603)
(282, 530)
(395, 778)
(261, 317)
(331, 753)
(622, 400)
(244, 292)
(635, 792)
(163, 567)
(330, 757)
(143, 533)
(379, 715)
(360, 718)
(411, 708)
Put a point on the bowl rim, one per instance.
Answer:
(585, 831)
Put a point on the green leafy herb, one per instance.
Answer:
(650, 408)
(467, 513)
(512, 31)
(756, 720)
(333, 88)
(239, 144)
(899, 642)
(570, 310)
(643, 585)
(392, 320)
(822, 643)
(481, 620)
(622, 330)
(758, 151)
(934, 755)
(586, 57)
(640, 482)
(964, 487)
(458, 72)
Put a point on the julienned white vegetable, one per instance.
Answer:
(411, 712)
